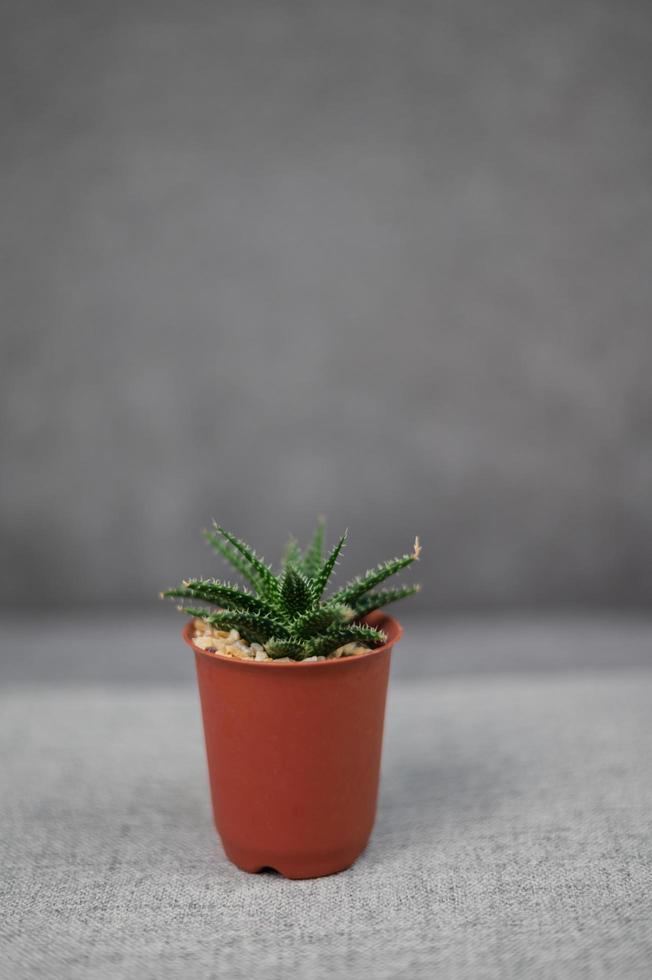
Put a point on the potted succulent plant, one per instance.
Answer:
(292, 687)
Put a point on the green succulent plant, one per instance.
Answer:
(287, 611)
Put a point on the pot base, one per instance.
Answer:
(292, 866)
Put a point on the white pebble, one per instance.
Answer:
(204, 642)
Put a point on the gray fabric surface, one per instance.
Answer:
(513, 840)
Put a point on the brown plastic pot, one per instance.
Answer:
(294, 755)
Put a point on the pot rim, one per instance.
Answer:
(380, 619)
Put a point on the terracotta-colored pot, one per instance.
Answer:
(294, 755)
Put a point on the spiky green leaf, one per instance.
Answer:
(339, 636)
(357, 588)
(251, 627)
(233, 557)
(314, 556)
(279, 646)
(378, 600)
(292, 554)
(218, 594)
(267, 584)
(320, 619)
(297, 595)
(323, 575)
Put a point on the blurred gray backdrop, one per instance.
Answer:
(386, 261)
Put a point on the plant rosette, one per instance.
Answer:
(293, 688)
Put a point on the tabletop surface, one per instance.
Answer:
(513, 835)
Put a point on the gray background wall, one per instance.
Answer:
(387, 261)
